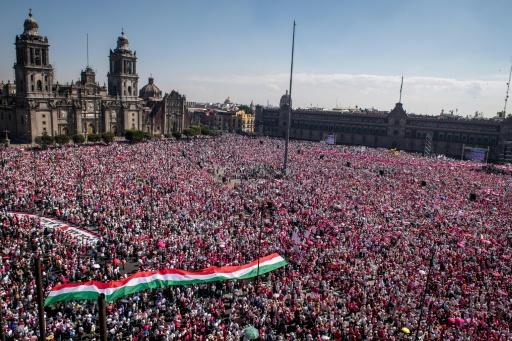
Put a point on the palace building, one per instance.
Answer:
(445, 134)
(37, 104)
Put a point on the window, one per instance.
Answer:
(32, 78)
(39, 85)
(130, 90)
(44, 122)
(38, 56)
(44, 116)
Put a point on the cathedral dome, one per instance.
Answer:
(30, 25)
(150, 90)
(285, 100)
(122, 41)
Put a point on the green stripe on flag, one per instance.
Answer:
(153, 284)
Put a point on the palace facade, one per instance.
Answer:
(444, 134)
(36, 104)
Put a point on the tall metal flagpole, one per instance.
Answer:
(285, 165)
(506, 96)
(87, 49)
(401, 85)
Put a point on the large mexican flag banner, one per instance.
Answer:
(159, 279)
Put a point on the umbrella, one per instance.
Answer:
(96, 266)
(406, 330)
(251, 333)
(116, 261)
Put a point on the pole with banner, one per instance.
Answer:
(39, 292)
(102, 314)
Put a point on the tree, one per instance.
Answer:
(108, 137)
(62, 139)
(176, 135)
(44, 140)
(245, 108)
(78, 139)
(93, 137)
(134, 136)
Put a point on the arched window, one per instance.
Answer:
(39, 85)
(129, 91)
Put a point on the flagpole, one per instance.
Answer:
(39, 293)
(401, 85)
(102, 317)
(285, 166)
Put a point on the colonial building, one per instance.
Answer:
(37, 104)
(446, 134)
(166, 114)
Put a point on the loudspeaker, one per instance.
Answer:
(472, 196)
(381, 172)
(423, 183)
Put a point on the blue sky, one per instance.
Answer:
(453, 54)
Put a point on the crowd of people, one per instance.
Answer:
(382, 245)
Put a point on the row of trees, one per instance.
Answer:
(47, 140)
(132, 136)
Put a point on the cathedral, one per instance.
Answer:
(36, 104)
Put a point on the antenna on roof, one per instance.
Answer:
(506, 96)
(401, 86)
(87, 34)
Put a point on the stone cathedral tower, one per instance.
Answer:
(122, 77)
(33, 72)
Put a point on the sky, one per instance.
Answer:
(454, 55)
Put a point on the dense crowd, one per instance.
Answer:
(381, 244)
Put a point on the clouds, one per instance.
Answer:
(428, 95)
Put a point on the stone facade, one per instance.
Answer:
(36, 104)
(446, 134)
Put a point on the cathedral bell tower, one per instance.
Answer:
(33, 71)
(122, 77)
